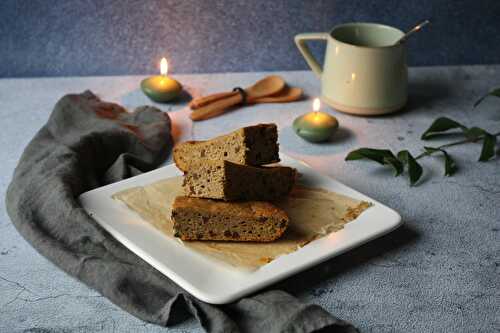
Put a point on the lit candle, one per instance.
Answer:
(315, 126)
(161, 88)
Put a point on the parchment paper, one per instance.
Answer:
(313, 213)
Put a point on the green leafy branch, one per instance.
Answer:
(441, 126)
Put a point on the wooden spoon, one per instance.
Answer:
(287, 95)
(202, 101)
(263, 88)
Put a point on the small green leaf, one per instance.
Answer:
(395, 163)
(376, 155)
(381, 156)
(450, 166)
(414, 169)
(474, 133)
(495, 92)
(440, 125)
(489, 145)
(431, 150)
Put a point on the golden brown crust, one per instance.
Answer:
(206, 219)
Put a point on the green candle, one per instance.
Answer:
(161, 88)
(315, 126)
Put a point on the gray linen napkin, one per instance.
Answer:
(88, 143)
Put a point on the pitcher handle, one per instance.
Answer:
(300, 41)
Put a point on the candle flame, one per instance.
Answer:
(164, 66)
(316, 105)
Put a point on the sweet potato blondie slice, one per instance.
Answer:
(252, 145)
(230, 181)
(206, 219)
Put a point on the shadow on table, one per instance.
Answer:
(136, 96)
(183, 98)
(424, 94)
(403, 236)
(291, 142)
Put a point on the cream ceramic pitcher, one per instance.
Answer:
(364, 71)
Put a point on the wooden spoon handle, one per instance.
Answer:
(202, 101)
(216, 108)
(267, 100)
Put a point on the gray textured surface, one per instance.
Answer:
(439, 272)
(92, 37)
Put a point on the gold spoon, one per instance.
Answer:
(412, 31)
(263, 88)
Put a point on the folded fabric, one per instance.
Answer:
(88, 143)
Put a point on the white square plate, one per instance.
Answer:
(216, 282)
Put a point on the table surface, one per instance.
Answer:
(438, 272)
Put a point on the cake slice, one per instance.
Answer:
(230, 181)
(206, 219)
(252, 145)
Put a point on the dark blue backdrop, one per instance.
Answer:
(69, 37)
